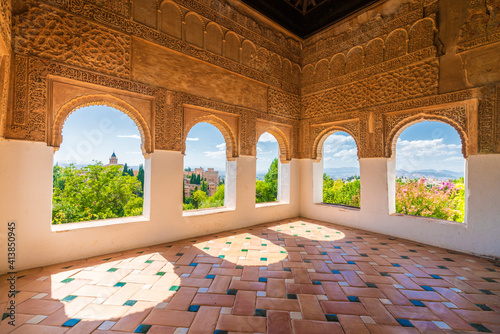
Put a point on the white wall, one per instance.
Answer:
(26, 183)
(25, 198)
(480, 234)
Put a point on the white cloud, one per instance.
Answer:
(267, 137)
(134, 152)
(129, 136)
(338, 143)
(217, 154)
(259, 149)
(347, 154)
(453, 159)
(192, 139)
(428, 148)
(339, 139)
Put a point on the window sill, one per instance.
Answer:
(340, 206)
(207, 211)
(431, 219)
(98, 223)
(267, 204)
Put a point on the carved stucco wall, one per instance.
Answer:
(388, 61)
(5, 58)
(349, 77)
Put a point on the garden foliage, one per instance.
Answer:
(94, 192)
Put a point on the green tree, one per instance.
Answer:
(199, 197)
(340, 192)
(204, 187)
(58, 180)
(125, 170)
(140, 176)
(94, 192)
(267, 190)
(216, 200)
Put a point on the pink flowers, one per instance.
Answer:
(419, 198)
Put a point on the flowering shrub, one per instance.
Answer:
(341, 192)
(445, 201)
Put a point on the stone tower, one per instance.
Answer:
(113, 160)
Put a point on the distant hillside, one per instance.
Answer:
(341, 172)
(429, 173)
(346, 172)
(84, 165)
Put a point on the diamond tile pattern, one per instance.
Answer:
(291, 276)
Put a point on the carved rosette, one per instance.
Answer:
(49, 33)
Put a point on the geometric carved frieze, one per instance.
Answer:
(277, 77)
(405, 83)
(481, 26)
(338, 76)
(5, 23)
(462, 116)
(283, 103)
(331, 42)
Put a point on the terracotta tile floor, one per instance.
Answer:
(291, 276)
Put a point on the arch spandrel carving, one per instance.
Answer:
(55, 135)
(227, 124)
(283, 135)
(462, 116)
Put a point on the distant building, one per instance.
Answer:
(113, 161)
(211, 177)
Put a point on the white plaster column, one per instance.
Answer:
(377, 185)
(283, 182)
(166, 185)
(306, 185)
(245, 185)
(483, 209)
(25, 199)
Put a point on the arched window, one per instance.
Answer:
(430, 171)
(341, 181)
(99, 169)
(267, 169)
(204, 168)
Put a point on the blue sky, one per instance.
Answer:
(425, 145)
(267, 151)
(92, 133)
(429, 145)
(205, 147)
